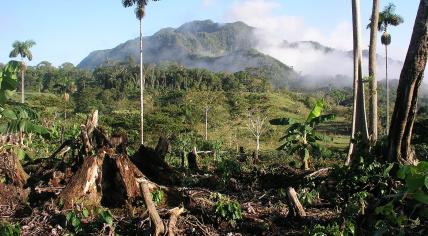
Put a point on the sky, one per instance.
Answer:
(67, 31)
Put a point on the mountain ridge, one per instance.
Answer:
(227, 47)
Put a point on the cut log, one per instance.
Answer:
(174, 214)
(296, 208)
(153, 213)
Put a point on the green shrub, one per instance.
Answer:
(227, 209)
(228, 168)
(8, 229)
(106, 217)
(73, 222)
(157, 196)
(331, 230)
(308, 197)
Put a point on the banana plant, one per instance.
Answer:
(300, 137)
(8, 80)
(15, 118)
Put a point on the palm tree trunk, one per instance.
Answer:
(22, 81)
(403, 117)
(359, 120)
(206, 123)
(257, 147)
(387, 89)
(141, 82)
(373, 114)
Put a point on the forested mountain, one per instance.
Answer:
(230, 47)
(200, 44)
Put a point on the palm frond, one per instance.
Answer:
(29, 43)
(127, 3)
(389, 17)
(14, 52)
(27, 53)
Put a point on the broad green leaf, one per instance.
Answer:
(421, 197)
(316, 110)
(9, 114)
(322, 118)
(402, 172)
(426, 182)
(414, 182)
(85, 212)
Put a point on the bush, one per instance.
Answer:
(227, 209)
(8, 229)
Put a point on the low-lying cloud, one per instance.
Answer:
(273, 29)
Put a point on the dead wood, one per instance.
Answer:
(192, 159)
(153, 213)
(296, 208)
(11, 168)
(84, 187)
(66, 143)
(324, 172)
(153, 166)
(11, 139)
(86, 132)
(174, 214)
(163, 147)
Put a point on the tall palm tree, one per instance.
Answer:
(139, 13)
(373, 114)
(386, 18)
(359, 119)
(23, 50)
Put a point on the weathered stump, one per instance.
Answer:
(152, 164)
(192, 159)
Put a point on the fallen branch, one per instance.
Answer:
(175, 213)
(295, 207)
(66, 143)
(319, 173)
(154, 215)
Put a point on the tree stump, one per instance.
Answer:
(152, 164)
(192, 159)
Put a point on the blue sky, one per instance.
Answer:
(67, 31)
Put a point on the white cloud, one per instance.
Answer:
(261, 14)
(207, 3)
(274, 28)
